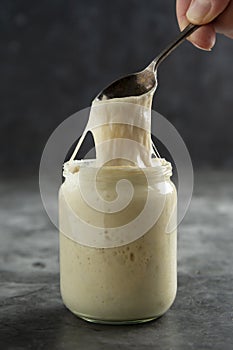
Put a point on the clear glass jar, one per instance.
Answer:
(118, 266)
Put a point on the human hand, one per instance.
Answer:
(218, 12)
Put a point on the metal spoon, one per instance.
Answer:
(139, 83)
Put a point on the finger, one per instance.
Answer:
(204, 11)
(204, 37)
(224, 23)
(181, 9)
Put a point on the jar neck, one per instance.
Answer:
(160, 171)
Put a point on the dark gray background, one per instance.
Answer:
(57, 55)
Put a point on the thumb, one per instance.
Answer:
(204, 11)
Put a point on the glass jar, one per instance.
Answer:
(118, 241)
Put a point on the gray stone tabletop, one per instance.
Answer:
(32, 315)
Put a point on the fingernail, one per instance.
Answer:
(201, 48)
(198, 10)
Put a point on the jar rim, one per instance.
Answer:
(161, 168)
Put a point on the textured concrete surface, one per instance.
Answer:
(32, 315)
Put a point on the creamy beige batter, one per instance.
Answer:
(135, 279)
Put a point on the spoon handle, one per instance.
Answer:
(173, 45)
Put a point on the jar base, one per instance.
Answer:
(115, 322)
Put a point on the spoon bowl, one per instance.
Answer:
(139, 83)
